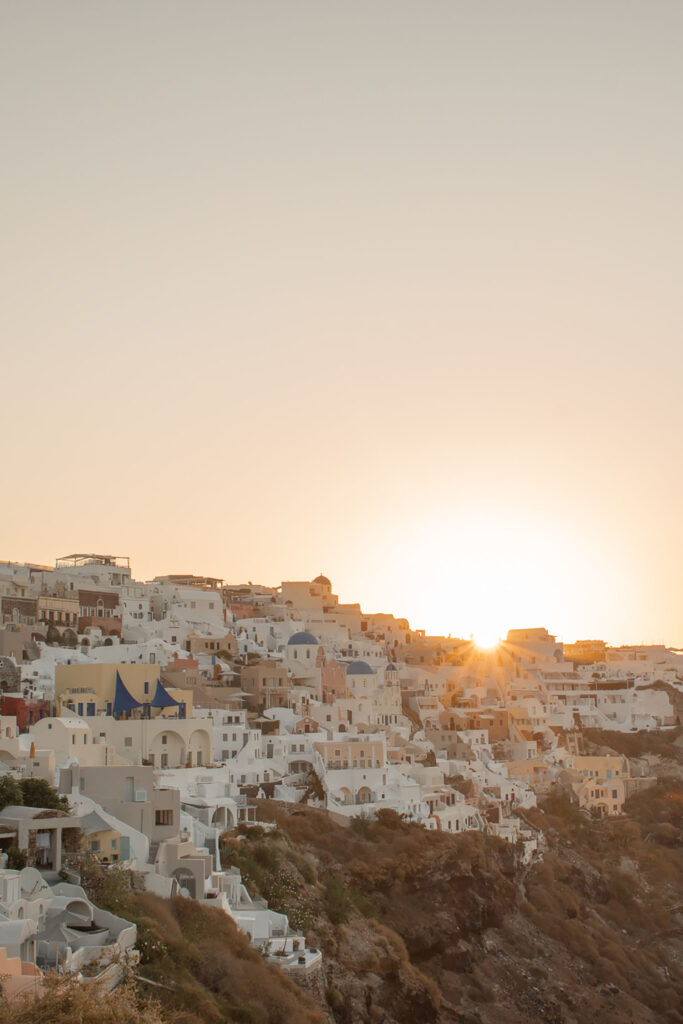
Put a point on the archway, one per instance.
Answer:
(186, 880)
(218, 818)
(199, 747)
(168, 749)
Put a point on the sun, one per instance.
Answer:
(486, 639)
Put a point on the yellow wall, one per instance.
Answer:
(105, 839)
(98, 683)
(597, 766)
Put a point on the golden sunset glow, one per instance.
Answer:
(486, 640)
(414, 406)
(486, 567)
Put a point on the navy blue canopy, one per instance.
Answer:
(122, 698)
(163, 699)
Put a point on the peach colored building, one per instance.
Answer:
(19, 977)
(333, 678)
(337, 754)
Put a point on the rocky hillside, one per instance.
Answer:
(421, 927)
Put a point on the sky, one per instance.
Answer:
(388, 290)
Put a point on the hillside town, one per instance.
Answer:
(159, 713)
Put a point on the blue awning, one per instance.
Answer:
(122, 698)
(163, 699)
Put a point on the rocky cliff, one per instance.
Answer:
(425, 927)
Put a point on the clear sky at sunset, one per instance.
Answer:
(386, 289)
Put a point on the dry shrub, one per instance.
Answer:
(65, 1000)
(210, 972)
(160, 912)
(370, 963)
(390, 941)
(620, 888)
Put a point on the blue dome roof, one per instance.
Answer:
(359, 668)
(391, 667)
(302, 638)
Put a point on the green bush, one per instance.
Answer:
(338, 902)
(11, 793)
(267, 856)
(30, 793)
(303, 866)
(362, 826)
(39, 793)
(334, 998)
(16, 858)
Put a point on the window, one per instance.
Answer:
(146, 687)
(95, 845)
(128, 741)
(163, 817)
(164, 739)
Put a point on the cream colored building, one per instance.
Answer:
(604, 783)
(58, 610)
(585, 652)
(600, 796)
(71, 738)
(161, 742)
(129, 794)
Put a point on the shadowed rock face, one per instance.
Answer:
(444, 928)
